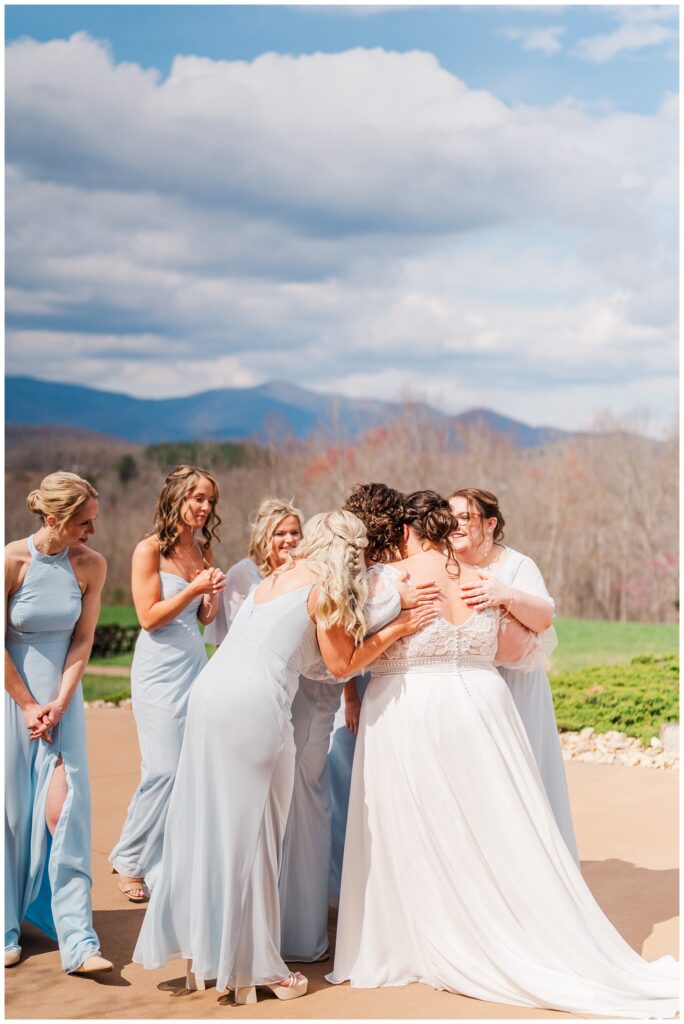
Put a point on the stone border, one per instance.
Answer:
(618, 748)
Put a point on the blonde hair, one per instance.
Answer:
(335, 542)
(270, 513)
(60, 494)
(167, 514)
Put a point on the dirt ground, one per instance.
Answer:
(626, 822)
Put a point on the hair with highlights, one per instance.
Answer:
(335, 542)
(61, 495)
(270, 514)
(168, 514)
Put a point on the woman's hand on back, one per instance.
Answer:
(412, 620)
(421, 594)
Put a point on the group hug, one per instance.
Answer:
(374, 732)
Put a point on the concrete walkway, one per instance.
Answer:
(626, 822)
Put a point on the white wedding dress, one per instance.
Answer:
(455, 873)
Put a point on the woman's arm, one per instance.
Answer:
(81, 641)
(14, 684)
(532, 608)
(152, 612)
(342, 658)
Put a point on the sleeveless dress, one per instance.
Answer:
(47, 879)
(166, 663)
(455, 873)
(216, 902)
(532, 695)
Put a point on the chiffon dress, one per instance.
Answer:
(532, 695)
(166, 663)
(340, 761)
(455, 872)
(47, 879)
(216, 902)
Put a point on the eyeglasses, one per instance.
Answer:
(465, 517)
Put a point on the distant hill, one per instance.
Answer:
(234, 414)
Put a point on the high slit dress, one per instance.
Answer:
(216, 902)
(166, 663)
(47, 879)
(455, 872)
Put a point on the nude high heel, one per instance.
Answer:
(94, 965)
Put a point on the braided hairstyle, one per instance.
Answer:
(336, 542)
(381, 509)
(168, 512)
(431, 517)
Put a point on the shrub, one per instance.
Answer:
(635, 699)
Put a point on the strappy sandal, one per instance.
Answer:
(132, 888)
(292, 987)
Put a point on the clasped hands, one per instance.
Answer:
(209, 582)
(41, 719)
(487, 592)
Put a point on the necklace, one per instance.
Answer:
(48, 554)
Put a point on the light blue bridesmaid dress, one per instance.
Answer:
(340, 761)
(216, 902)
(165, 665)
(315, 832)
(47, 879)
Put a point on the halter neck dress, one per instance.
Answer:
(47, 879)
(166, 663)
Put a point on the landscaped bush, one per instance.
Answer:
(635, 699)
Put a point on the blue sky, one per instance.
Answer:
(476, 205)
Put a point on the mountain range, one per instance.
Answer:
(235, 414)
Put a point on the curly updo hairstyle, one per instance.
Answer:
(168, 512)
(61, 495)
(431, 517)
(484, 502)
(381, 509)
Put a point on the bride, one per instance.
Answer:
(455, 873)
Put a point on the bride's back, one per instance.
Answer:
(433, 565)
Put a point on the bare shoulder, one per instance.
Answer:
(147, 550)
(16, 552)
(89, 565)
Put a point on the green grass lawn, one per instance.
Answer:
(583, 642)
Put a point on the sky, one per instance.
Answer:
(474, 206)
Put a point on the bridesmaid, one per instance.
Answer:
(53, 584)
(276, 530)
(512, 580)
(175, 587)
(216, 904)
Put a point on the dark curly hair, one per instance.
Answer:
(381, 509)
(432, 518)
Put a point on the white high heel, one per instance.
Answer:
(292, 987)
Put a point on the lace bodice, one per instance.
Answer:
(441, 645)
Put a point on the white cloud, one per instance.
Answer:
(638, 28)
(546, 40)
(337, 219)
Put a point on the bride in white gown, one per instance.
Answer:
(455, 873)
